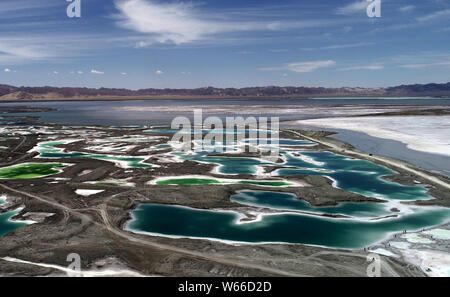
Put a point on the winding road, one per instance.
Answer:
(164, 247)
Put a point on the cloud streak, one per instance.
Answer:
(434, 15)
(93, 71)
(303, 67)
(364, 67)
(407, 8)
(425, 65)
(352, 8)
(180, 23)
(25, 48)
(16, 48)
(338, 46)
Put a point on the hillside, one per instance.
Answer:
(12, 93)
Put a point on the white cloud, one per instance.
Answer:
(93, 71)
(7, 70)
(338, 46)
(309, 66)
(159, 72)
(407, 8)
(181, 22)
(14, 49)
(18, 8)
(30, 32)
(365, 67)
(303, 66)
(352, 8)
(124, 73)
(167, 22)
(434, 15)
(24, 48)
(424, 65)
(422, 59)
(55, 72)
(80, 72)
(279, 50)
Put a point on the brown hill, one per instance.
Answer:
(11, 93)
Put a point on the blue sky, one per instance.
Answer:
(224, 43)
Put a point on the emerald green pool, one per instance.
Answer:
(288, 227)
(353, 175)
(31, 170)
(293, 220)
(289, 202)
(227, 165)
(6, 225)
(48, 150)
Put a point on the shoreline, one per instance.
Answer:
(431, 162)
(384, 147)
(411, 251)
(389, 235)
(225, 98)
(360, 124)
(389, 162)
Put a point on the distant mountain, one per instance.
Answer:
(11, 93)
(427, 89)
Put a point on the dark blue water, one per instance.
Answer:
(292, 228)
(353, 175)
(109, 113)
(288, 201)
(6, 225)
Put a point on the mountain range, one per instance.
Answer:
(12, 93)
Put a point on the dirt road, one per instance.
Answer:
(129, 236)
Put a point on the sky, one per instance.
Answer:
(223, 43)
